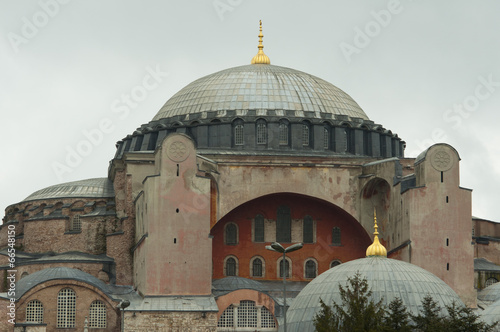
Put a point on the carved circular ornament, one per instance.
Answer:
(177, 151)
(441, 160)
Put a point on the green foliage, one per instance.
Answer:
(397, 318)
(356, 313)
(463, 319)
(429, 319)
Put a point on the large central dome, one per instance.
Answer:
(261, 87)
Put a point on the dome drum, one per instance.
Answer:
(270, 131)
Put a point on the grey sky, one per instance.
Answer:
(427, 70)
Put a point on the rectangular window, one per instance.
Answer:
(259, 228)
(284, 225)
(308, 230)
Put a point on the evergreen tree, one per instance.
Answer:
(429, 318)
(357, 312)
(463, 319)
(397, 318)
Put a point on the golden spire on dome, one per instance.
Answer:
(260, 58)
(376, 248)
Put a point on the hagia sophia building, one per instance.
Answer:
(174, 237)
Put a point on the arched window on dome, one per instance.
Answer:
(310, 269)
(367, 141)
(214, 133)
(347, 139)
(308, 230)
(261, 131)
(490, 281)
(258, 228)
(336, 236)
(306, 137)
(238, 132)
(230, 266)
(284, 225)
(66, 308)
(231, 234)
(335, 263)
(34, 311)
(283, 132)
(326, 137)
(76, 223)
(97, 315)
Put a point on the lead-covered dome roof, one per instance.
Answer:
(88, 188)
(261, 86)
(387, 278)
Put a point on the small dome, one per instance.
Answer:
(490, 293)
(90, 188)
(492, 313)
(387, 279)
(260, 87)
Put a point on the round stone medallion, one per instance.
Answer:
(441, 160)
(177, 151)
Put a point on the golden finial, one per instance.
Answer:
(260, 58)
(376, 248)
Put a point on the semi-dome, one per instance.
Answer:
(387, 278)
(261, 87)
(89, 188)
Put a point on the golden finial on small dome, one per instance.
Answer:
(376, 248)
(260, 58)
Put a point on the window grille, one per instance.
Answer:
(286, 268)
(231, 234)
(66, 303)
(308, 230)
(336, 239)
(283, 134)
(305, 135)
(335, 263)
(259, 228)
(238, 134)
(266, 318)
(261, 133)
(231, 267)
(490, 282)
(97, 315)
(310, 269)
(326, 138)
(76, 223)
(34, 311)
(227, 317)
(247, 314)
(257, 267)
(284, 225)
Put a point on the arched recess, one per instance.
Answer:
(260, 299)
(376, 196)
(325, 217)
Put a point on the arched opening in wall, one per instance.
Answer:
(376, 196)
(347, 139)
(327, 137)
(246, 316)
(306, 134)
(214, 133)
(34, 311)
(261, 132)
(293, 218)
(284, 132)
(334, 263)
(238, 132)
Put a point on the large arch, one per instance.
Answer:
(325, 216)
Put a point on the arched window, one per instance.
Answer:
(326, 138)
(308, 230)
(261, 131)
(335, 263)
(24, 274)
(231, 234)
(214, 133)
(227, 317)
(310, 269)
(238, 132)
(283, 133)
(367, 142)
(336, 239)
(248, 316)
(305, 134)
(258, 228)
(97, 314)
(66, 308)
(284, 225)
(257, 268)
(34, 311)
(284, 268)
(76, 223)
(490, 282)
(231, 267)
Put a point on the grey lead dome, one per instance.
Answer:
(387, 278)
(255, 87)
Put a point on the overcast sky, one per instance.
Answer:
(427, 70)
